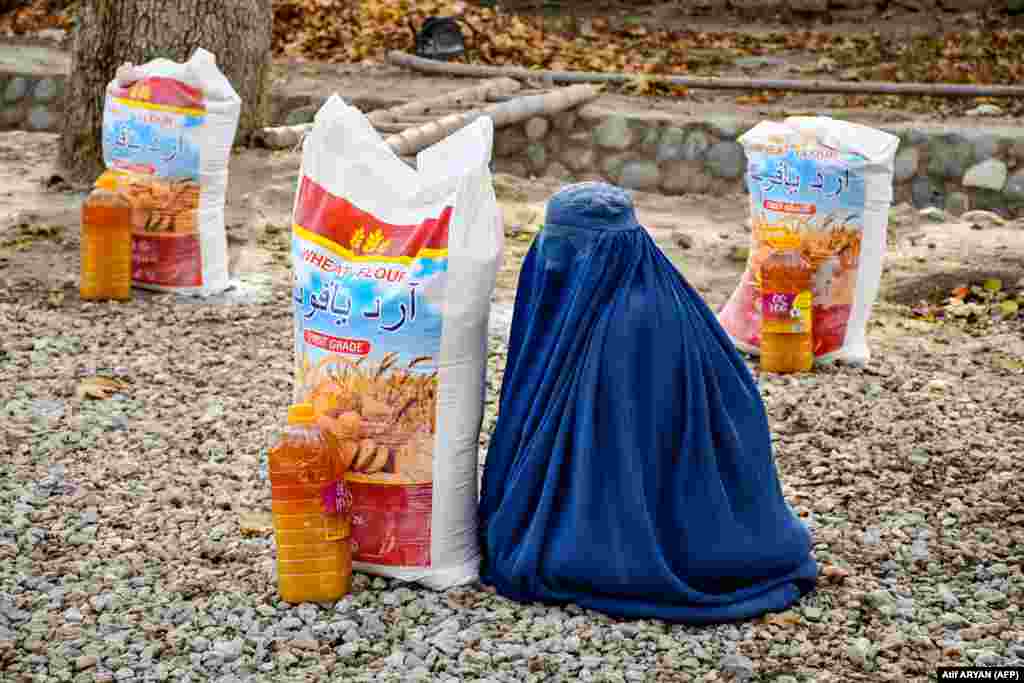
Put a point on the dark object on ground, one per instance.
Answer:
(440, 38)
(631, 469)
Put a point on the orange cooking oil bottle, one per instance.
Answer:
(787, 342)
(312, 513)
(106, 270)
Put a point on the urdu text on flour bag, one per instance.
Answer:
(394, 270)
(825, 187)
(168, 128)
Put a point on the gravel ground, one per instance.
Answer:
(133, 544)
(121, 556)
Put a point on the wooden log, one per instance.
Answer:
(281, 137)
(457, 98)
(409, 141)
(504, 113)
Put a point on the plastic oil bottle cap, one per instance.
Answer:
(301, 414)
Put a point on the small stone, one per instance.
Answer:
(812, 613)
(880, 598)
(124, 673)
(200, 644)
(990, 174)
(510, 140)
(985, 146)
(934, 215)
(46, 90)
(537, 155)
(301, 115)
(985, 110)
(727, 127)
(957, 203)
(671, 146)
(16, 89)
(682, 240)
(949, 156)
(758, 62)
(578, 158)
(726, 160)
(639, 175)
(73, 615)
(230, 650)
(952, 619)
(905, 165)
(924, 193)
(305, 644)
(991, 597)
(558, 171)
(739, 666)
(511, 167)
(36, 645)
(696, 146)
(86, 662)
(613, 164)
(40, 118)
(614, 133)
(948, 598)
(564, 121)
(860, 652)
(685, 177)
(308, 612)
(537, 128)
(1015, 186)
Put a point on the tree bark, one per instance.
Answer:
(112, 32)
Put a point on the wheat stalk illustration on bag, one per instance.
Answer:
(365, 245)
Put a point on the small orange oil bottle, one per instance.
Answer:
(106, 270)
(787, 341)
(312, 513)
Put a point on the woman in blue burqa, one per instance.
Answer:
(631, 467)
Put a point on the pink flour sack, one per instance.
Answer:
(826, 186)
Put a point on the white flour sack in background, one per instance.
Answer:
(168, 128)
(824, 187)
(394, 270)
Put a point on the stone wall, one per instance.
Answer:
(951, 169)
(30, 102)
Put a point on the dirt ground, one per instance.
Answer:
(39, 229)
(904, 470)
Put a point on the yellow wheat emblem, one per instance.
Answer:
(374, 243)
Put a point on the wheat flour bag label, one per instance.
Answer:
(393, 275)
(168, 129)
(823, 187)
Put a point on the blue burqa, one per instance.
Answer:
(631, 467)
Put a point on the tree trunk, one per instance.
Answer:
(112, 32)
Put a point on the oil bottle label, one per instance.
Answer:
(786, 312)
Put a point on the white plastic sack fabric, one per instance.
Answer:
(394, 270)
(825, 185)
(168, 129)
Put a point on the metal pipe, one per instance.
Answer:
(697, 82)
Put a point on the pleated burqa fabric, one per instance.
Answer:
(631, 467)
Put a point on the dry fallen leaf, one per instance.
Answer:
(834, 573)
(99, 387)
(255, 524)
(788, 618)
